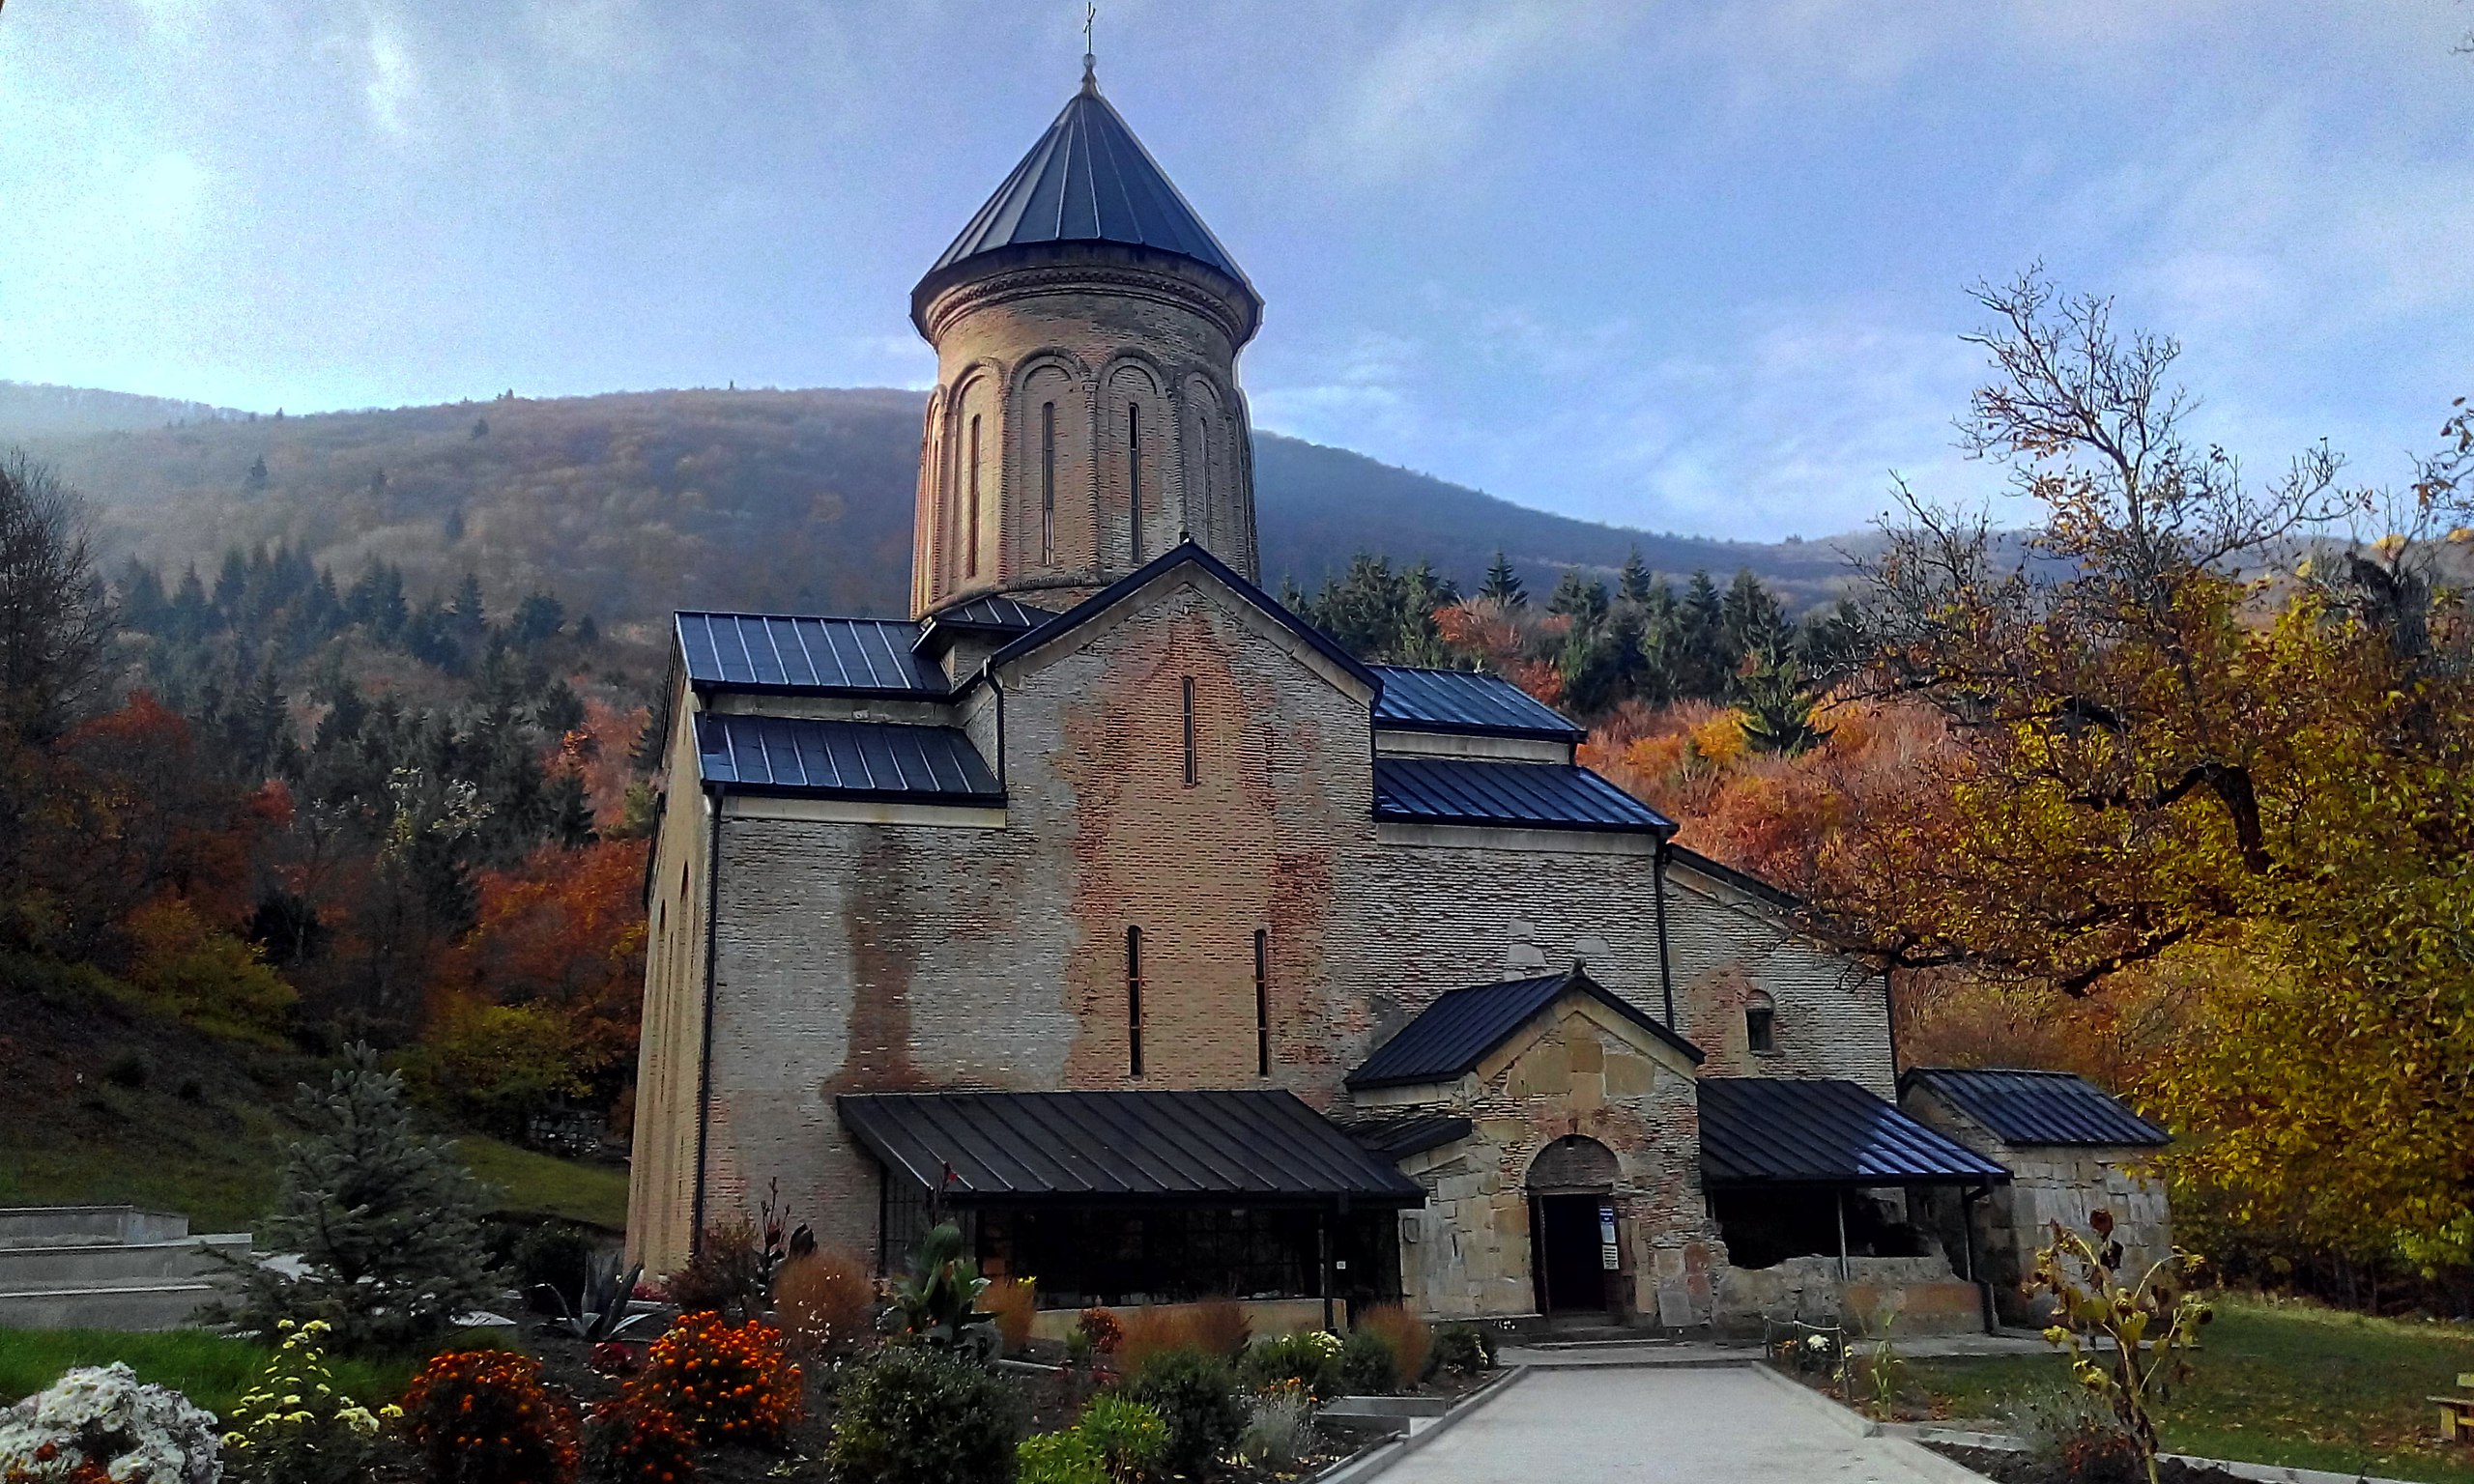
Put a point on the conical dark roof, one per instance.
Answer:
(1089, 180)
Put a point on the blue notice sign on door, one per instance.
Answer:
(1607, 1237)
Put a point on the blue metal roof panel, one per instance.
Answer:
(874, 760)
(1450, 1036)
(1819, 1131)
(1218, 1147)
(1089, 180)
(1545, 795)
(2022, 1106)
(993, 610)
(778, 652)
(1420, 699)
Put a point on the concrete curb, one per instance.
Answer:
(1922, 1432)
(1365, 1466)
(1894, 1438)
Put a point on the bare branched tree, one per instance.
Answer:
(55, 618)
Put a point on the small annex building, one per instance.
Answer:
(2071, 1149)
(1106, 907)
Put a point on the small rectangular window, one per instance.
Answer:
(1191, 775)
(1047, 482)
(1134, 475)
(1262, 1003)
(1133, 999)
(1760, 1029)
(970, 561)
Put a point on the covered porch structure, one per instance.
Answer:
(1135, 1198)
(1809, 1182)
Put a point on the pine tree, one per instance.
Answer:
(570, 812)
(1585, 602)
(1703, 663)
(1634, 585)
(385, 1222)
(1503, 585)
(1778, 706)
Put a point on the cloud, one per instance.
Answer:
(395, 82)
(1423, 96)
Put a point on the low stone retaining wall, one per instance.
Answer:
(1927, 1297)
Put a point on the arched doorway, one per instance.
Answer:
(1571, 1213)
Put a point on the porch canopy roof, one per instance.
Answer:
(1777, 1131)
(1123, 1147)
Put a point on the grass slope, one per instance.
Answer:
(202, 1132)
(2275, 1383)
(212, 1370)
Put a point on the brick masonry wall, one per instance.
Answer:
(894, 956)
(1092, 332)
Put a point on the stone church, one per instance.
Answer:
(1109, 908)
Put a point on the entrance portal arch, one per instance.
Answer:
(1571, 1210)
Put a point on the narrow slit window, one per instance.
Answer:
(1133, 1000)
(970, 560)
(1262, 1003)
(1760, 1025)
(1133, 473)
(1191, 775)
(1047, 482)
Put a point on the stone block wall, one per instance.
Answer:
(2049, 1183)
(1577, 1070)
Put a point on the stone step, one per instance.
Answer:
(106, 1306)
(63, 1267)
(79, 1226)
(1386, 1407)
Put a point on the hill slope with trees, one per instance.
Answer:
(634, 503)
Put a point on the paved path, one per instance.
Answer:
(1599, 1425)
(1662, 1351)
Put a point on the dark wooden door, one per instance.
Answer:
(1571, 1277)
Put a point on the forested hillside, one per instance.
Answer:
(634, 503)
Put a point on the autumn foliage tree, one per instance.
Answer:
(2173, 745)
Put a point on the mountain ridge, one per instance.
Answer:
(634, 503)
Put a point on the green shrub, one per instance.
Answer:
(553, 1255)
(1463, 1349)
(1059, 1458)
(1367, 1365)
(295, 1427)
(912, 1414)
(1197, 1395)
(1131, 1438)
(1309, 1360)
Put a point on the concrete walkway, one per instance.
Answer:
(1661, 1425)
(1588, 1353)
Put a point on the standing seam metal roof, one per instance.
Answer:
(2022, 1106)
(1452, 1035)
(873, 760)
(767, 651)
(1544, 796)
(1223, 1147)
(1420, 699)
(1089, 180)
(1824, 1131)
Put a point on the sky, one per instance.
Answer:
(1698, 268)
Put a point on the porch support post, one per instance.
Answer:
(1966, 1228)
(1838, 1204)
(1323, 1262)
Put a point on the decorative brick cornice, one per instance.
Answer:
(1234, 316)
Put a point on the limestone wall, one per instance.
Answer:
(1580, 1070)
(1832, 1013)
(2049, 1183)
(1917, 1295)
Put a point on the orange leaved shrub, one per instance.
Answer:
(724, 1382)
(1404, 1334)
(482, 1416)
(826, 1301)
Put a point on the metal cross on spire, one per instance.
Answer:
(1090, 63)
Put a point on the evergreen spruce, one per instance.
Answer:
(1634, 585)
(1502, 583)
(384, 1223)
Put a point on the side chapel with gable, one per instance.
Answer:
(1109, 908)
